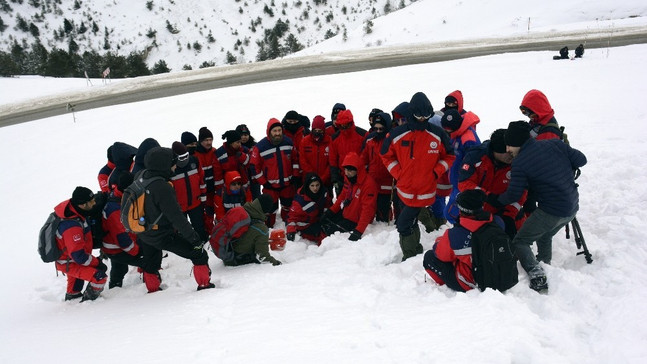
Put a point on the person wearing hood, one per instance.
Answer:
(173, 232)
(331, 126)
(234, 194)
(74, 239)
(118, 245)
(189, 186)
(463, 136)
(308, 205)
(233, 156)
(253, 245)
(144, 147)
(104, 172)
(122, 155)
(415, 154)
(213, 178)
(294, 128)
(275, 165)
(349, 139)
(248, 141)
(355, 206)
(487, 167)
(536, 107)
(314, 154)
(371, 157)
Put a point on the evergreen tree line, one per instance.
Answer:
(60, 63)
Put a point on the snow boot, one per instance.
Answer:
(424, 216)
(73, 296)
(538, 281)
(91, 294)
(410, 244)
(202, 275)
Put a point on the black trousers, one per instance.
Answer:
(175, 244)
(444, 270)
(337, 222)
(119, 267)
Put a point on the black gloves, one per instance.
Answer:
(326, 215)
(355, 235)
(290, 236)
(493, 199)
(102, 267)
(276, 262)
(510, 227)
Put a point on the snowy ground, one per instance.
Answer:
(344, 302)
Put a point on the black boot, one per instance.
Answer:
(90, 294)
(73, 296)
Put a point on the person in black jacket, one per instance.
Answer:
(547, 168)
(172, 232)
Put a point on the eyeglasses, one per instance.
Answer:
(526, 111)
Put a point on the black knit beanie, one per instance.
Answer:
(470, 202)
(517, 134)
(81, 195)
(188, 138)
(451, 120)
(497, 141)
(204, 133)
(231, 136)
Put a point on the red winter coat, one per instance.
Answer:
(415, 153)
(483, 173)
(455, 247)
(213, 176)
(371, 157)
(116, 240)
(345, 141)
(189, 185)
(304, 211)
(314, 157)
(227, 200)
(75, 236)
(234, 160)
(296, 137)
(358, 201)
(104, 174)
(274, 164)
(536, 101)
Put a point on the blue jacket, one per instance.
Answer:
(545, 168)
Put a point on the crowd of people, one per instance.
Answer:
(414, 164)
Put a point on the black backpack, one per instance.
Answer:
(493, 264)
(47, 247)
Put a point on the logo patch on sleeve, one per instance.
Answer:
(466, 166)
(77, 237)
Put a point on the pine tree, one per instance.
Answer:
(160, 67)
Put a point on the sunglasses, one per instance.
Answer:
(236, 184)
(344, 126)
(422, 117)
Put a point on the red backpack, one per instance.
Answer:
(232, 226)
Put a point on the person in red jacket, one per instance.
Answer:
(314, 154)
(119, 246)
(415, 154)
(74, 239)
(487, 168)
(206, 155)
(104, 172)
(190, 189)
(275, 165)
(371, 157)
(536, 107)
(293, 128)
(355, 207)
(348, 139)
(233, 156)
(450, 260)
(234, 194)
(308, 205)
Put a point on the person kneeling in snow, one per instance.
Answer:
(450, 260)
(356, 204)
(307, 208)
(253, 245)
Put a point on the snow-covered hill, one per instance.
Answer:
(192, 34)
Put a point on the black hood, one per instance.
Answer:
(122, 155)
(144, 147)
(420, 105)
(158, 161)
